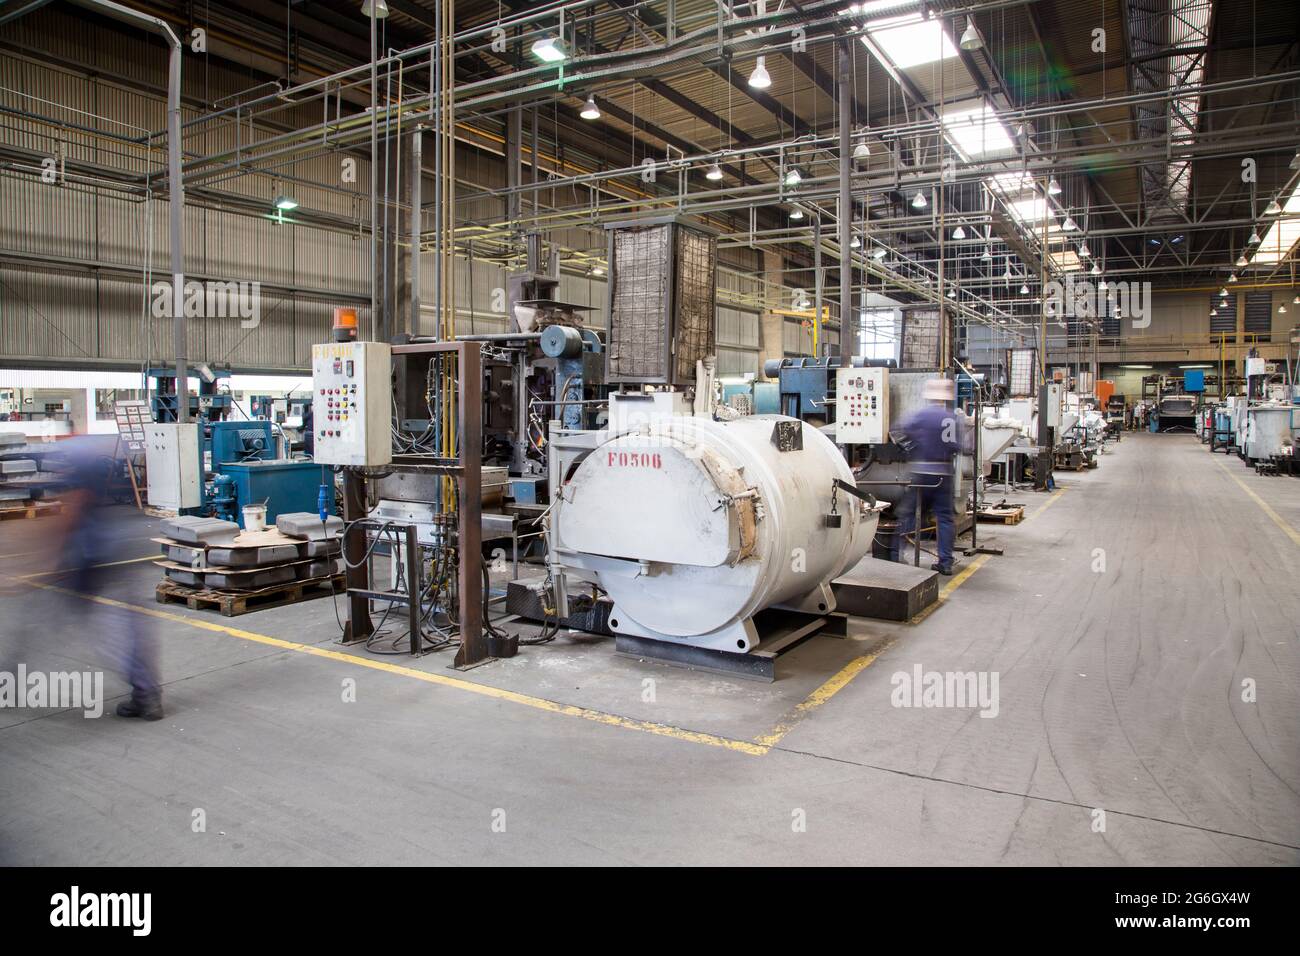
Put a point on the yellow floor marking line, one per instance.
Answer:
(538, 703)
(964, 574)
(1277, 518)
(106, 564)
(821, 695)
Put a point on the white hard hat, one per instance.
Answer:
(939, 390)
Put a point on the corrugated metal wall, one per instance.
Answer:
(73, 259)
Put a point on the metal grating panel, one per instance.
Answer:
(920, 347)
(1223, 317)
(1258, 320)
(697, 265)
(1021, 379)
(639, 303)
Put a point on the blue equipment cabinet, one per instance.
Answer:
(285, 486)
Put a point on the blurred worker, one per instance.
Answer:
(87, 538)
(934, 436)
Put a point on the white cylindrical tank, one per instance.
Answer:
(693, 526)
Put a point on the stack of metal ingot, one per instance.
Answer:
(217, 555)
(26, 476)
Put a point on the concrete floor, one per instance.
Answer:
(1120, 690)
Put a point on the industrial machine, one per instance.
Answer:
(1176, 412)
(210, 404)
(693, 526)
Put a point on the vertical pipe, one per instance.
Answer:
(176, 198)
(848, 345)
(817, 285)
(417, 223)
(374, 182)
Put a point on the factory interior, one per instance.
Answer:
(376, 375)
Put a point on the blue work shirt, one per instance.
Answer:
(935, 434)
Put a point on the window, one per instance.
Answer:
(909, 41)
(878, 334)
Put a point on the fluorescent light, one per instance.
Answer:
(918, 201)
(759, 79)
(285, 203)
(1135, 366)
(909, 41)
(714, 173)
(549, 50)
(970, 39)
(977, 131)
(590, 111)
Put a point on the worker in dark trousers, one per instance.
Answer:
(132, 645)
(933, 435)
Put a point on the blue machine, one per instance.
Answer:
(239, 441)
(806, 383)
(285, 485)
(1193, 380)
(209, 405)
(764, 397)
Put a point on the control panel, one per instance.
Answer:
(861, 406)
(352, 403)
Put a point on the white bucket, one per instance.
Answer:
(254, 517)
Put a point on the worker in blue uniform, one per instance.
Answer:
(933, 439)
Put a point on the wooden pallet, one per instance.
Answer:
(1013, 514)
(29, 509)
(234, 603)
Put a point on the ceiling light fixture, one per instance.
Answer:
(793, 177)
(285, 203)
(1084, 253)
(1024, 289)
(796, 213)
(1241, 262)
(1053, 187)
(1232, 277)
(855, 243)
(918, 201)
(970, 39)
(1254, 238)
(1273, 209)
(714, 173)
(549, 50)
(879, 253)
(590, 111)
(759, 79)
(959, 233)
(378, 7)
(1069, 225)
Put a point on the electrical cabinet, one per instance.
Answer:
(352, 403)
(861, 406)
(174, 464)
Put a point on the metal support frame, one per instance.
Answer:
(466, 470)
